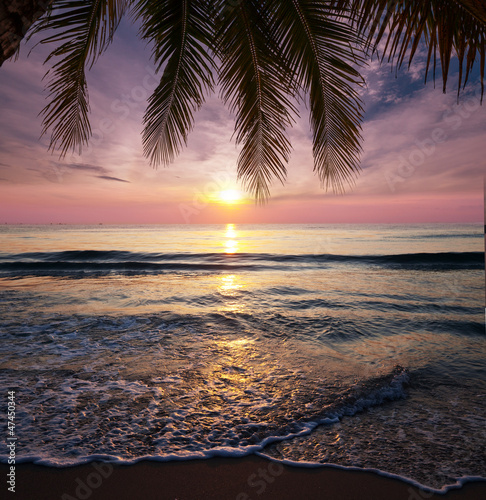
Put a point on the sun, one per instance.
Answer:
(230, 196)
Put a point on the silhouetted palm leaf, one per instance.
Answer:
(181, 34)
(268, 53)
(255, 83)
(322, 50)
(85, 28)
(445, 26)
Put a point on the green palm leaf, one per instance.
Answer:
(180, 31)
(84, 28)
(256, 86)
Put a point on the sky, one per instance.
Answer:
(423, 154)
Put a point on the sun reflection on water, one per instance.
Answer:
(231, 246)
(230, 231)
(229, 287)
(229, 284)
(231, 243)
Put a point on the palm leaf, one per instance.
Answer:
(84, 28)
(323, 51)
(268, 50)
(477, 8)
(180, 31)
(446, 27)
(255, 83)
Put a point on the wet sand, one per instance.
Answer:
(246, 478)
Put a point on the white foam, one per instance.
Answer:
(230, 452)
(459, 481)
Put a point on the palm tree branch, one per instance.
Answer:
(180, 31)
(320, 46)
(446, 27)
(84, 28)
(255, 83)
(476, 8)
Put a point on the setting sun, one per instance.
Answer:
(230, 196)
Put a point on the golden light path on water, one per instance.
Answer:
(231, 243)
(230, 231)
(231, 246)
(229, 285)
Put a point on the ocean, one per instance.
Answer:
(354, 345)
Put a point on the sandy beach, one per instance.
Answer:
(220, 478)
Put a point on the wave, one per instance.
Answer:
(211, 436)
(124, 262)
(440, 236)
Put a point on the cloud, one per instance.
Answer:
(85, 168)
(428, 143)
(109, 178)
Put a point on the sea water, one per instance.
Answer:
(354, 345)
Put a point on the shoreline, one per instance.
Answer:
(248, 478)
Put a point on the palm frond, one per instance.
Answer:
(84, 28)
(477, 8)
(445, 26)
(255, 83)
(181, 33)
(269, 51)
(322, 49)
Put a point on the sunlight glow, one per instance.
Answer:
(230, 284)
(230, 196)
(230, 231)
(231, 246)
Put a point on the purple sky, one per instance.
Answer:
(423, 154)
